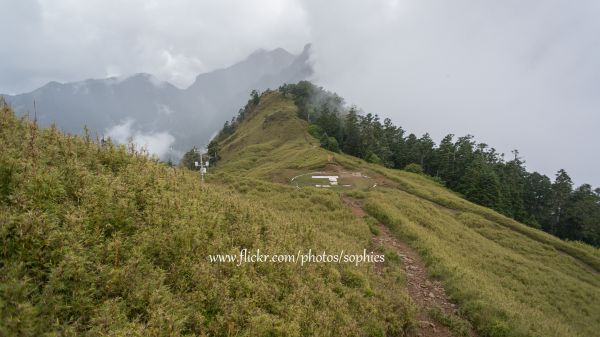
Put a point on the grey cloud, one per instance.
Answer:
(175, 40)
(515, 74)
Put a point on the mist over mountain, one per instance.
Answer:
(158, 115)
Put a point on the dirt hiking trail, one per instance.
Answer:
(424, 292)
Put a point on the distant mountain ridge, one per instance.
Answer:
(166, 119)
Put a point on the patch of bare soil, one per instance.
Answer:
(425, 292)
(379, 179)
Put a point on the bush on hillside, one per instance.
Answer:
(329, 143)
(315, 131)
(414, 168)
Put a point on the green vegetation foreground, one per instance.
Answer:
(100, 240)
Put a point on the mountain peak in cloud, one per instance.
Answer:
(152, 111)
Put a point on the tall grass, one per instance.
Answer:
(102, 240)
(506, 283)
(508, 279)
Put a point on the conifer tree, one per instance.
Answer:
(352, 137)
(561, 191)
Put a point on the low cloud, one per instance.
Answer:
(157, 143)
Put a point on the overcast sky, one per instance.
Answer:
(516, 74)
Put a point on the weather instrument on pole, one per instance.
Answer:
(202, 166)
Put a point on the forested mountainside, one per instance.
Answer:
(475, 170)
(101, 239)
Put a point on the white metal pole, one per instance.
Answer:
(201, 169)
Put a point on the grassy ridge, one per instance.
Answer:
(100, 240)
(425, 189)
(509, 279)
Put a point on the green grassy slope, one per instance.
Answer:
(102, 241)
(509, 279)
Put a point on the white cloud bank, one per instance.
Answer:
(157, 143)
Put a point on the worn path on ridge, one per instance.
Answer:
(425, 292)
